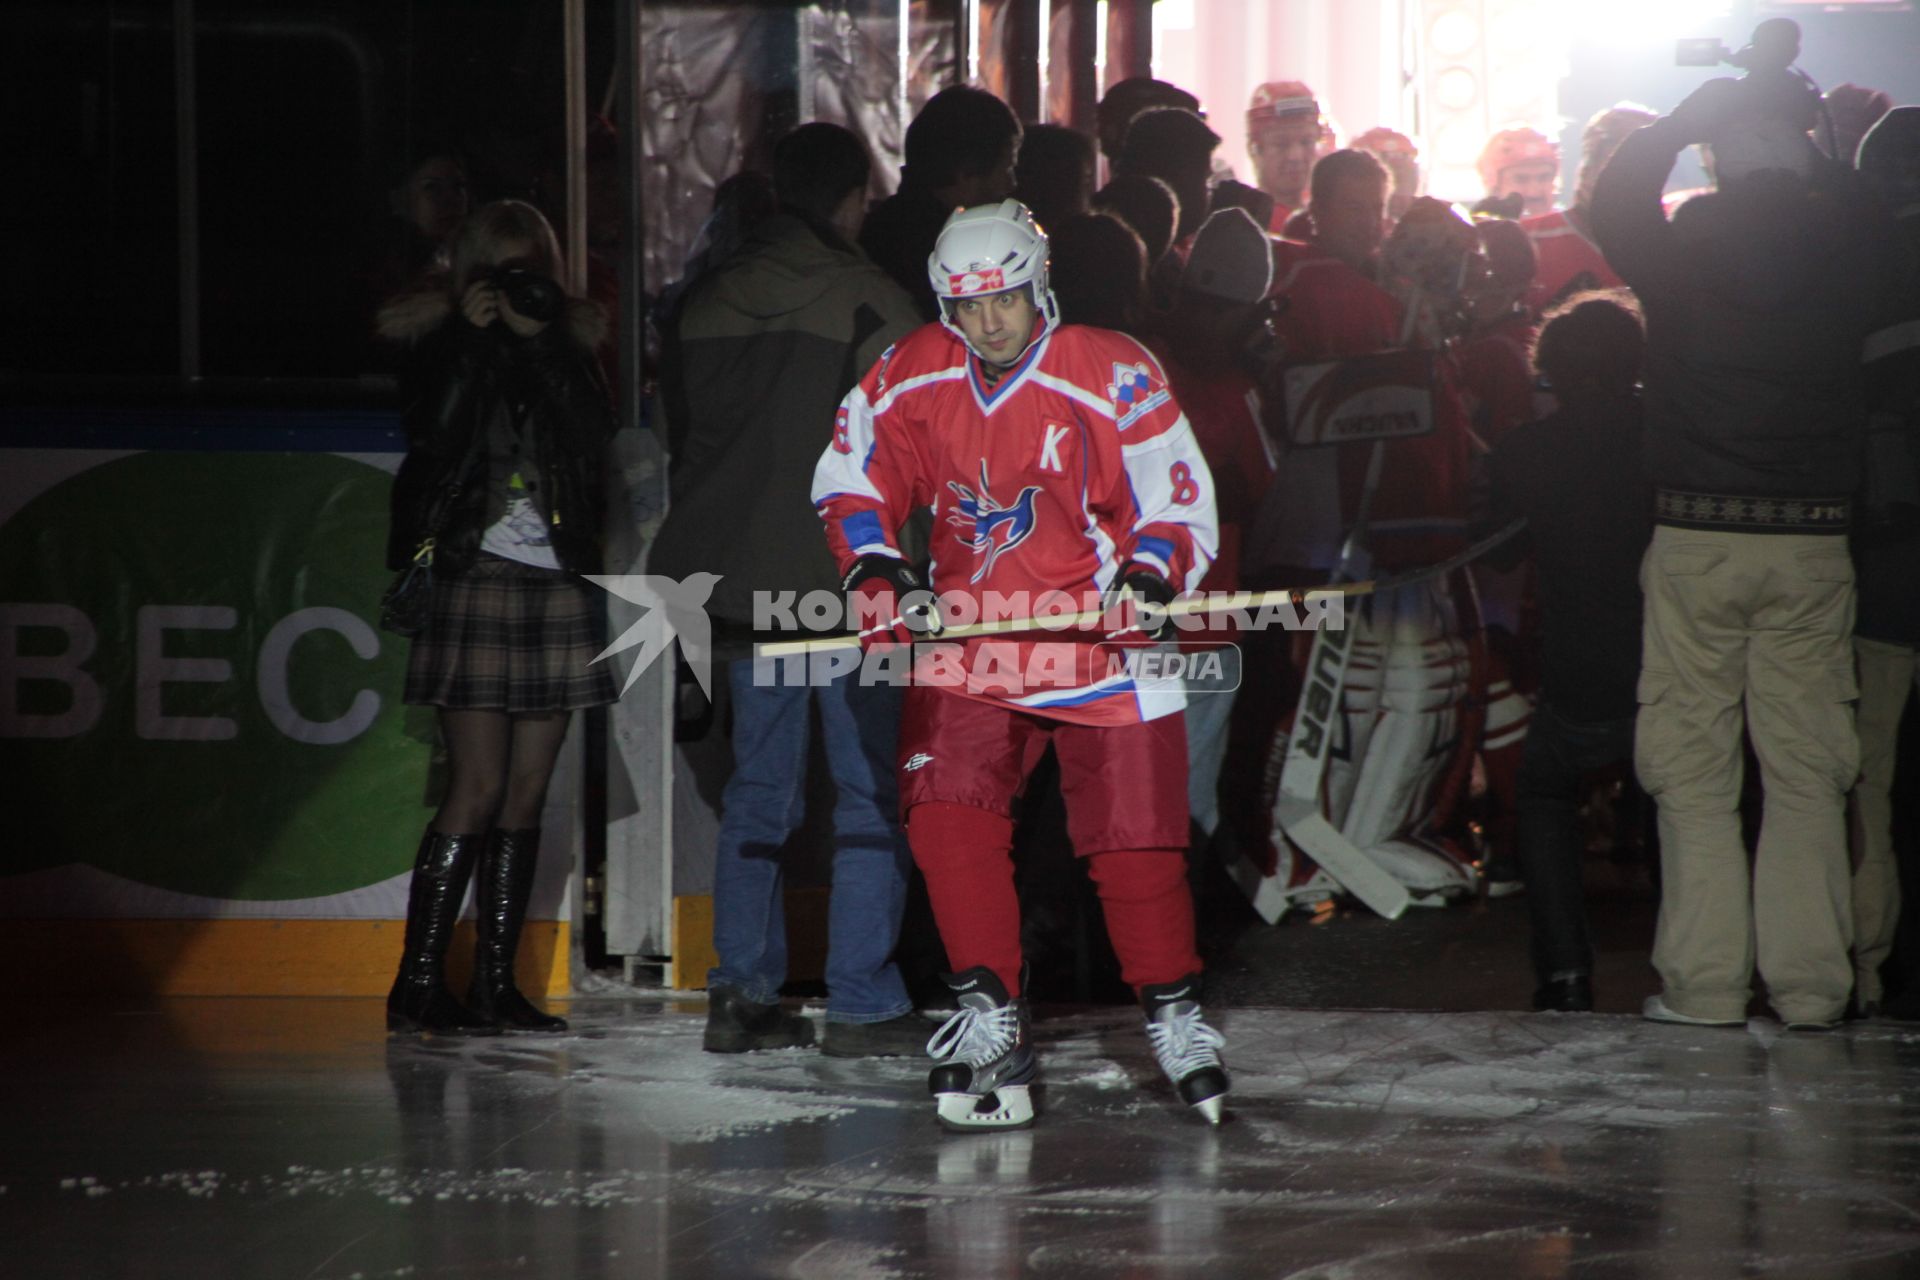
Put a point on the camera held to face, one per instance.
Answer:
(1774, 47)
(531, 294)
(1759, 122)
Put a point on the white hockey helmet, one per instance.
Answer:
(989, 249)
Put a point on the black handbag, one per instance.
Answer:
(408, 601)
(407, 604)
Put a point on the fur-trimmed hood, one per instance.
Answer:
(408, 317)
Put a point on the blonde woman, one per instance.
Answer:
(507, 420)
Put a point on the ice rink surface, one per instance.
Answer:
(292, 1138)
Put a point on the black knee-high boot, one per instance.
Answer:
(420, 1000)
(505, 881)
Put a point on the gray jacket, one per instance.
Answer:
(765, 349)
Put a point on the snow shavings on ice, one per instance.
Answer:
(848, 1260)
(657, 1073)
(1426, 1100)
(398, 1186)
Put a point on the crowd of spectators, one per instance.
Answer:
(1677, 396)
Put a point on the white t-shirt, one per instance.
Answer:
(520, 534)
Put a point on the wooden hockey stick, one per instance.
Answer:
(1183, 606)
(1081, 621)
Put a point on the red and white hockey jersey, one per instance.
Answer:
(1564, 252)
(1223, 408)
(1076, 462)
(1418, 516)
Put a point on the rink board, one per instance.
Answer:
(223, 792)
(252, 957)
(693, 954)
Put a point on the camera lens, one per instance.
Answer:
(531, 294)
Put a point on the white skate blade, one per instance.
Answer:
(1008, 1107)
(1210, 1108)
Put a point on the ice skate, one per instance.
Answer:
(985, 1053)
(1188, 1049)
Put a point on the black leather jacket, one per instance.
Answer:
(457, 391)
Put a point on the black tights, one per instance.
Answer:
(498, 767)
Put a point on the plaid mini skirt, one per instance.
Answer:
(511, 637)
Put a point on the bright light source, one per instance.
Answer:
(1456, 88)
(1173, 15)
(1458, 145)
(1636, 22)
(1454, 33)
(1100, 44)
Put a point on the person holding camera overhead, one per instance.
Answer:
(508, 420)
(1757, 299)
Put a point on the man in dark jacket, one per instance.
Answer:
(1886, 555)
(960, 152)
(769, 343)
(1757, 299)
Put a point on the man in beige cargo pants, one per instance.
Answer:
(1739, 620)
(1757, 299)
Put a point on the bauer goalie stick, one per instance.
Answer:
(1297, 809)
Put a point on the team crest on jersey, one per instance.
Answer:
(995, 529)
(968, 283)
(1134, 392)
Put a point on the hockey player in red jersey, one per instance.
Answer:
(1569, 260)
(1495, 356)
(1057, 465)
(1402, 157)
(1495, 360)
(1397, 709)
(1285, 133)
(1334, 308)
(1522, 162)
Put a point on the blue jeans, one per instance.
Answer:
(763, 805)
(1209, 713)
(1558, 754)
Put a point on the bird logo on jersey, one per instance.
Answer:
(1133, 392)
(996, 529)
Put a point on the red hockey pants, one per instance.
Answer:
(965, 853)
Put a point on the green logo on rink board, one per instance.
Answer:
(192, 690)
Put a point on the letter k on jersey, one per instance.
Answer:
(1050, 448)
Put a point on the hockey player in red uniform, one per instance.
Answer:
(1056, 464)
(1495, 357)
(1396, 710)
(1334, 308)
(1522, 162)
(1495, 360)
(1569, 260)
(1402, 157)
(1285, 133)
